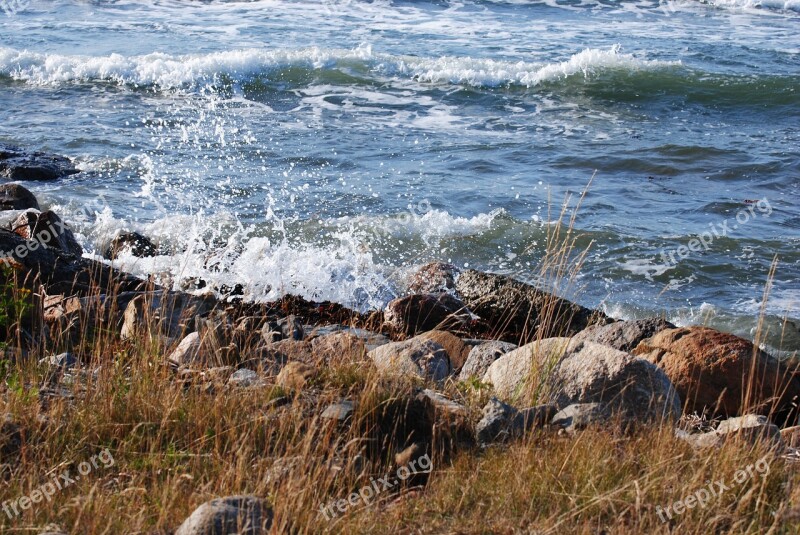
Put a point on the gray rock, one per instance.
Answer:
(340, 412)
(624, 335)
(291, 328)
(442, 405)
(188, 351)
(243, 378)
(173, 314)
(580, 416)
(434, 278)
(16, 197)
(242, 515)
(415, 357)
(750, 427)
(516, 310)
(18, 164)
(564, 372)
(501, 422)
(482, 356)
(63, 360)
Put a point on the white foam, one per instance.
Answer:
(172, 72)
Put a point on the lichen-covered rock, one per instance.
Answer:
(722, 374)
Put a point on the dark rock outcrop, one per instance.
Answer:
(16, 197)
(18, 164)
(48, 229)
(137, 244)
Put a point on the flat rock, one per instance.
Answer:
(340, 412)
(19, 164)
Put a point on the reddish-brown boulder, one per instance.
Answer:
(721, 373)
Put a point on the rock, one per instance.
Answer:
(409, 455)
(18, 164)
(11, 437)
(516, 310)
(47, 229)
(243, 378)
(415, 357)
(482, 356)
(243, 515)
(420, 312)
(60, 272)
(294, 376)
(171, 314)
(339, 412)
(136, 244)
(291, 328)
(340, 347)
(16, 197)
(511, 374)
(188, 351)
(711, 371)
(63, 360)
(371, 339)
(565, 372)
(434, 278)
(456, 349)
(580, 416)
(791, 436)
(751, 428)
(442, 405)
(502, 422)
(624, 335)
(291, 350)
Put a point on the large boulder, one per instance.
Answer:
(18, 164)
(482, 356)
(518, 311)
(422, 312)
(47, 229)
(565, 372)
(242, 515)
(624, 335)
(722, 374)
(416, 357)
(339, 348)
(16, 197)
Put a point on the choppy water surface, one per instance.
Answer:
(325, 148)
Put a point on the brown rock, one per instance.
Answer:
(339, 348)
(456, 349)
(295, 375)
(712, 370)
(419, 313)
(433, 278)
(291, 350)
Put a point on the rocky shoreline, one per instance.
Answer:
(551, 365)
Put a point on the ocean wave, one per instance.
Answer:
(165, 71)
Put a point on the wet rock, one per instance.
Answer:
(243, 515)
(624, 335)
(420, 313)
(482, 356)
(16, 197)
(579, 416)
(46, 228)
(456, 349)
(295, 376)
(134, 243)
(516, 311)
(434, 278)
(415, 357)
(18, 164)
(711, 371)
